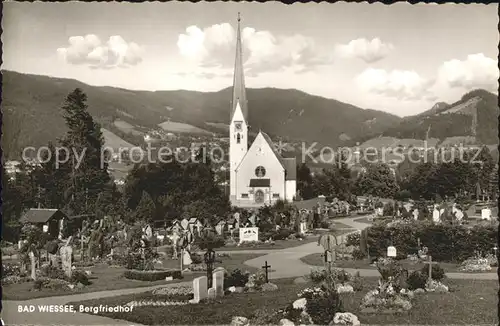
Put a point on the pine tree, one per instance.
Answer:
(90, 177)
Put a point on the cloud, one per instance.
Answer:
(88, 50)
(477, 71)
(400, 84)
(368, 51)
(214, 46)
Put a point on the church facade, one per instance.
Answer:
(259, 175)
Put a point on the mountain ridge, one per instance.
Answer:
(31, 106)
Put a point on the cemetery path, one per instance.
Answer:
(11, 316)
(286, 263)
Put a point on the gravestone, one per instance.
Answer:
(249, 234)
(218, 282)
(175, 243)
(415, 214)
(303, 227)
(486, 214)
(149, 232)
(391, 251)
(219, 228)
(211, 293)
(53, 260)
(186, 258)
(436, 216)
(199, 289)
(185, 224)
(33, 265)
(66, 253)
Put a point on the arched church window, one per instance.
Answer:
(260, 172)
(238, 138)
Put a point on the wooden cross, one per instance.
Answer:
(430, 262)
(266, 267)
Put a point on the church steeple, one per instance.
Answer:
(239, 94)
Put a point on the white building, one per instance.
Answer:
(258, 175)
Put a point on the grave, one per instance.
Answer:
(218, 282)
(430, 263)
(33, 265)
(249, 234)
(486, 214)
(436, 216)
(66, 253)
(302, 227)
(391, 251)
(199, 289)
(266, 268)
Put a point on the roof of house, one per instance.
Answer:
(41, 215)
(193, 220)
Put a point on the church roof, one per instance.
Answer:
(289, 164)
(239, 93)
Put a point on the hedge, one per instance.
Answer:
(151, 276)
(445, 243)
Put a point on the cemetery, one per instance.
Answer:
(405, 257)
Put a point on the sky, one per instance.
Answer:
(400, 59)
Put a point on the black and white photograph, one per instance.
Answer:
(246, 163)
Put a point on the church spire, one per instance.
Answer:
(239, 94)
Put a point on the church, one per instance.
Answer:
(259, 175)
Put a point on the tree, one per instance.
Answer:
(378, 181)
(176, 189)
(84, 136)
(305, 182)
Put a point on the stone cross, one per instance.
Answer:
(66, 252)
(266, 268)
(33, 265)
(391, 251)
(199, 289)
(430, 262)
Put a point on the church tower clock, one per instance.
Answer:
(238, 128)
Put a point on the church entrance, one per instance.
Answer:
(259, 197)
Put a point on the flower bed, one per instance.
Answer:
(168, 296)
(344, 281)
(317, 306)
(151, 276)
(479, 263)
(385, 299)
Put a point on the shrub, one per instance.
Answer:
(152, 276)
(282, 234)
(437, 272)
(210, 240)
(417, 280)
(79, 277)
(236, 278)
(357, 254)
(299, 235)
(325, 225)
(357, 282)
(197, 258)
(323, 308)
(52, 272)
(446, 243)
(353, 239)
